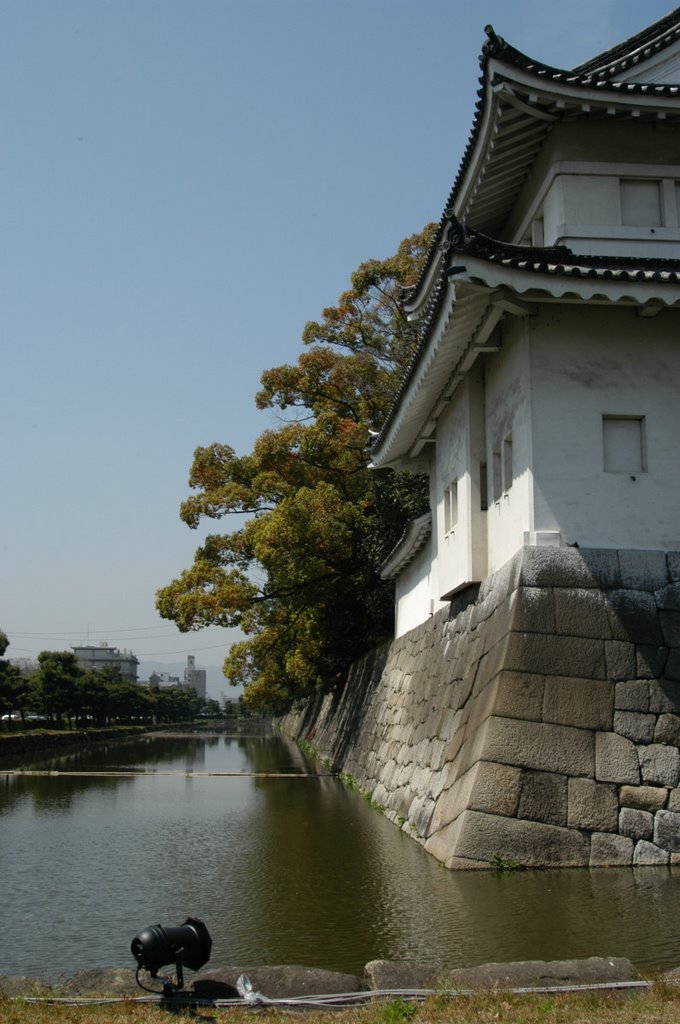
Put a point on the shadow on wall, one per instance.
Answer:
(345, 707)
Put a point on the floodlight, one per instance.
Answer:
(188, 945)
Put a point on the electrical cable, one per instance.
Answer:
(341, 1000)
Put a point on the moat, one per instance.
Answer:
(284, 864)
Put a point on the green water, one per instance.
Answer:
(281, 869)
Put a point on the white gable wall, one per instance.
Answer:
(593, 188)
(413, 592)
(593, 362)
(558, 376)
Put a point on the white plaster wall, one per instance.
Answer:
(586, 363)
(460, 450)
(412, 592)
(572, 189)
(507, 379)
(451, 464)
(584, 212)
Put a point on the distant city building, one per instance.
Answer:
(194, 678)
(163, 679)
(101, 656)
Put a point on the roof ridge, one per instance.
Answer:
(497, 47)
(614, 59)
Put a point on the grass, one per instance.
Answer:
(658, 1005)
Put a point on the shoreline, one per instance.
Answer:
(395, 978)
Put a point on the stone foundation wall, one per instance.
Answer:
(535, 721)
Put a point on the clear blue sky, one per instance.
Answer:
(183, 184)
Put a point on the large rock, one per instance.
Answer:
(390, 975)
(277, 982)
(17, 986)
(595, 970)
(609, 850)
(483, 837)
(667, 831)
(118, 981)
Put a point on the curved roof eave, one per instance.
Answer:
(411, 542)
(467, 310)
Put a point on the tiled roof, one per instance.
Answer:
(516, 108)
(411, 542)
(588, 76)
(558, 259)
(497, 47)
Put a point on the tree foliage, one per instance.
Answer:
(299, 572)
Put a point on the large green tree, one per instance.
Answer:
(299, 573)
(58, 679)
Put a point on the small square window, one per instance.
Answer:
(640, 203)
(624, 444)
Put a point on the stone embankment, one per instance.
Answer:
(536, 722)
(290, 981)
(45, 741)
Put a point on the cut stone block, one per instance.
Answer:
(636, 824)
(579, 702)
(635, 726)
(533, 610)
(668, 597)
(593, 805)
(670, 627)
(664, 697)
(672, 669)
(668, 730)
(643, 570)
(650, 661)
(542, 747)
(530, 843)
(616, 759)
(667, 831)
(632, 695)
(544, 798)
(570, 567)
(519, 695)
(644, 798)
(556, 655)
(608, 850)
(620, 659)
(633, 616)
(496, 789)
(581, 612)
(660, 765)
(647, 854)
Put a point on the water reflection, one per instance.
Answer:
(283, 869)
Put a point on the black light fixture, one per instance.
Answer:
(188, 945)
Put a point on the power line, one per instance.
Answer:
(108, 632)
(145, 654)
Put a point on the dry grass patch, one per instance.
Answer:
(658, 1005)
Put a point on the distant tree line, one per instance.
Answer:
(57, 690)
